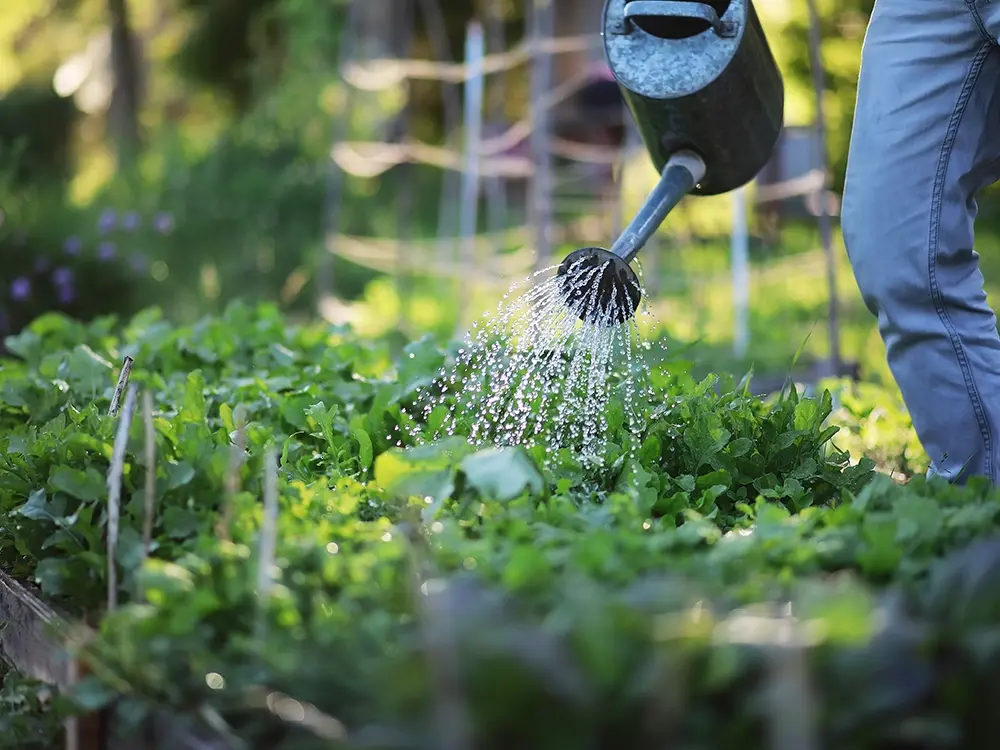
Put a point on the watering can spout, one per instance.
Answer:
(707, 99)
(600, 285)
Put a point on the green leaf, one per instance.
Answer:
(402, 477)
(49, 575)
(882, 553)
(37, 508)
(86, 372)
(739, 447)
(720, 477)
(27, 345)
(193, 405)
(527, 566)
(502, 473)
(86, 485)
(226, 415)
(365, 448)
(179, 474)
(324, 418)
(130, 551)
(706, 501)
(918, 517)
(180, 523)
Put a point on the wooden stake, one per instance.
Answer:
(451, 712)
(123, 377)
(114, 494)
(793, 720)
(150, 504)
(268, 536)
(236, 458)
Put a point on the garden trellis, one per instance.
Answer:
(559, 202)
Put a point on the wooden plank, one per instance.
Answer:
(27, 638)
(33, 640)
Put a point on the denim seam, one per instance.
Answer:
(934, 243)
(977, 16)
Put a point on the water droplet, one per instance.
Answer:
(548, 368)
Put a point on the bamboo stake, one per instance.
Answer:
(149, 515)
(236, 458)
(114, 494)
(123, 377)
(268, 537)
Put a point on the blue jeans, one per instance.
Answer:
(926, 139)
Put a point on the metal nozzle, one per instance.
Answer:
(618, 290)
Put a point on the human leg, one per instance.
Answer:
(926, 138)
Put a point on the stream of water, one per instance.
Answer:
(544, 371)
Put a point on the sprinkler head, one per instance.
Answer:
(618, 291)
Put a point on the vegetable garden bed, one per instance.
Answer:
(727, 579)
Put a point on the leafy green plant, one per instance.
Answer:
(30, 716)
(570, 601)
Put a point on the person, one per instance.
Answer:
(926, 139)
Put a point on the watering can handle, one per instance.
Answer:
(683, 9)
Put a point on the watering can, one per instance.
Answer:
(707, 98)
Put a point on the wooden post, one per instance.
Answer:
(404, 197)
(474, 51)
(540, 207)
(825, 228)
(334, 198)
(437, 32)
(740, 253)
(496, 186)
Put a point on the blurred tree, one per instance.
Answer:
(123, 114)
(227, 41)
(36, 126)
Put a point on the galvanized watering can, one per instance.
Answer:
(708, 100)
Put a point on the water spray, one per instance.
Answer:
(707, 97)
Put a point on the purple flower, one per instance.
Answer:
(164, 223)
(131, 221)
(106, 250)
(107, 221)
(62, 276)
(65, 294)
(20, 289)
(139, 262)
(73, 246)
